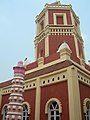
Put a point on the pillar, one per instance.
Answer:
(16, 96)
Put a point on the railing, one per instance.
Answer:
(59, 6)
(58, 30)
(40, 35)
(61, 31)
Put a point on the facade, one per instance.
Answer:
(57, 85)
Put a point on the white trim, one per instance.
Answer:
(16, 94)
(25, 114)
(28, 105)
(55, 109)
(46, 18)
(19, 117)
(15, 113)
(46, 45)
(51, 100)
(17, 86)
(13, 116)
(19, 107)
(18, 77)
(72, 18)
(60, 14)
(14, 107)
(13, 103)
(84, 104)
(6, 105)
(15, 97)
(17, 80)
(76, 46)
(21, 81)
(4, 111)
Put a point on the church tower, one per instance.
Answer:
(56, 24)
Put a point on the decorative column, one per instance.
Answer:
(16, 96)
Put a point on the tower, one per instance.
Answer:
(56, 24)
(16, 96)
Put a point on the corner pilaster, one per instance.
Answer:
(47, 45)
(37, 104)
(36, 44)
(73, 94)
(0, 97)
(76, 45)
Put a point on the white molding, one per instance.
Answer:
(46, 45)
(51, 100)
(84, 104)
(60, 14)
(28, 105)
(72, 18)
(15, 113)
(46, 19)
(6, 105)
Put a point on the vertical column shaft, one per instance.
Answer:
(73, 94)
(16, 96)
(37, 107)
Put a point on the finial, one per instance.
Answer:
(20, 64)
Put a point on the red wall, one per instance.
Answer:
(41, 46)
(58, 91)
(60, 20)
(29, 96)
(84, 93)
(51, 58)
(31, 66)
(4, 101)
(50, 15)
(55, 41)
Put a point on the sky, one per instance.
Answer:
(17, 30)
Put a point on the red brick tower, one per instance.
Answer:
(56, 24)
(16, 96)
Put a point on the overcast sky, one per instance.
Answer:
(17, 30)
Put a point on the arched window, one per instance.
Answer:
(25, 115)
(87, 114)
(53, 109)
(86, 108)
(5, 112)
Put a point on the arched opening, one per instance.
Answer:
(25, 115)
(87, 114)
(4, 112)
(53, 109)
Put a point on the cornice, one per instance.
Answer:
(56, 7)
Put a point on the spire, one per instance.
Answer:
(16, 96)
